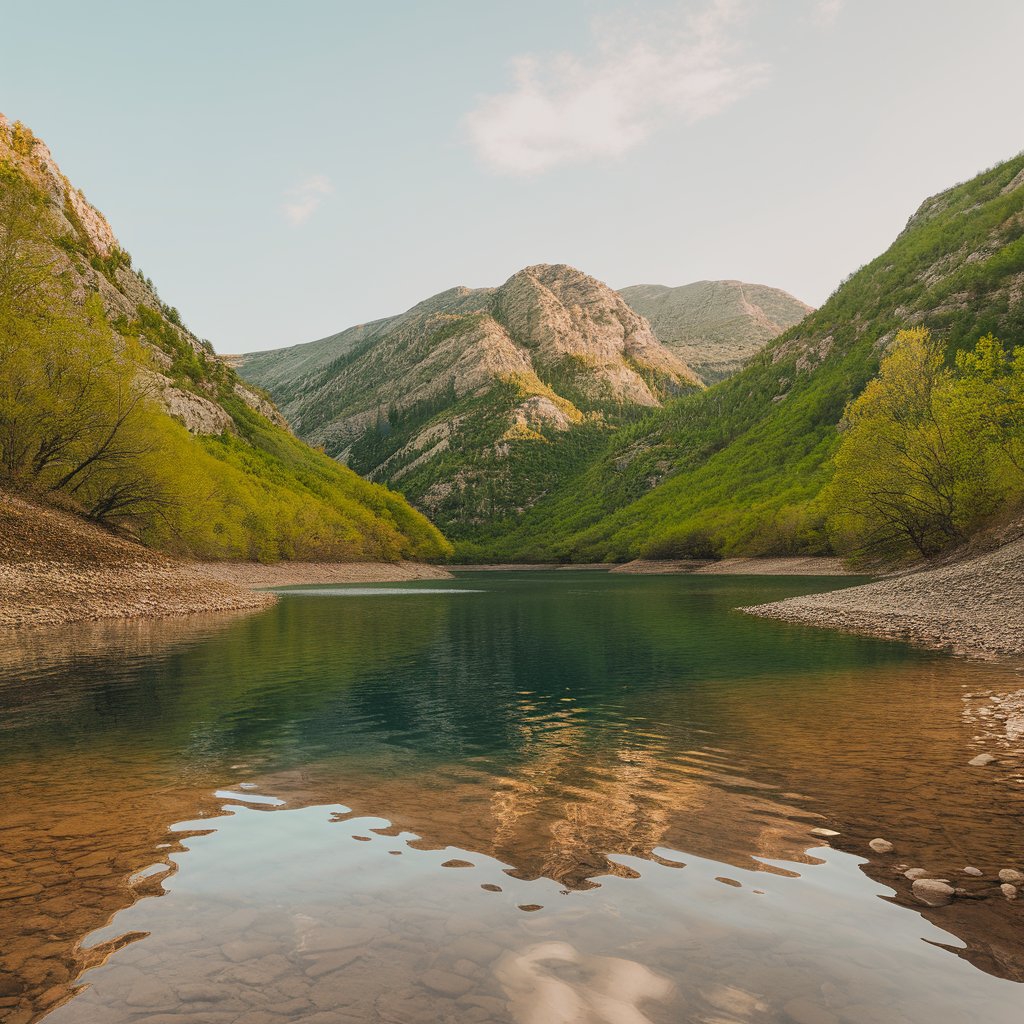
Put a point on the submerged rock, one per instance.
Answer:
(1009, 891)
(915, 873)
(881, 846)
(974, 872)
(981, 760)
(933, 892)
(1011, 875)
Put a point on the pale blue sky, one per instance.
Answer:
(285, 170)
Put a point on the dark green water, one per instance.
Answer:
(570, 738)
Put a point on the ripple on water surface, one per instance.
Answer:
(553, 798)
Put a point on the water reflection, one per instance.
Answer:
(572, 737)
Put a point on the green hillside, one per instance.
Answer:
(739, 468)
(111, 407)
(476, 403)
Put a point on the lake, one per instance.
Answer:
(519, 797)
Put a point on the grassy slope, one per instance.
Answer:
(254, 491)
(745, 460)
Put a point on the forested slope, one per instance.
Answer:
(739, 468)
(111, 407)
(477, 402)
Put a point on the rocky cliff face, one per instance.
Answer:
(455, 400)
(716, 326)
(88, 255)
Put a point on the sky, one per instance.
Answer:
(283, 171)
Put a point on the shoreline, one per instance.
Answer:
(57, 569)
(788, 565)
(49, 594)
(255, 575)
(530, 567)
(973, 607)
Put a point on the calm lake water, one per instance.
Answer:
(533, 798)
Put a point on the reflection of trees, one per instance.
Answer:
(226, 683)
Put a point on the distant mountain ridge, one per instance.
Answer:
(473, 401)
(716, 326)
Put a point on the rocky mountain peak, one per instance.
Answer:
(89, 257)
(32, 156)
(566, 315)
(486, 382)
(715, 326)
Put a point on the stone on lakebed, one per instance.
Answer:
(933, 892)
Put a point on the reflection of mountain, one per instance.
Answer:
(566, 811)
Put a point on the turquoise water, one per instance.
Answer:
(515, 797)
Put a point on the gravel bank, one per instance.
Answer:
(56, 569)
(973, 607)
(290, 574)
(40, 593)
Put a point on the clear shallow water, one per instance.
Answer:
(326, 797)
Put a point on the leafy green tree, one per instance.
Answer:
(991, 399)
(913, 474)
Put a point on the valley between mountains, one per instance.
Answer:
(478, 403)
(546, 419)
(553, 419)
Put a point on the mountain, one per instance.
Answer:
(737, 468)
(476, 402)
(112, 407)
(715, 326)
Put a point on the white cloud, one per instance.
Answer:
(302, 200)
(563, 109)
(826, 11)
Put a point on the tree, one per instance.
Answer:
(74, 411)
(912, 474)
(990, 397)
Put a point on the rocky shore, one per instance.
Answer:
(974, 606)
(290, 574)
(56, 569)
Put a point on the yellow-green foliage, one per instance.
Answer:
(22, 139)
(928, 453)
(79, 423)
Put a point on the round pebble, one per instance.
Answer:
(932, 892)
